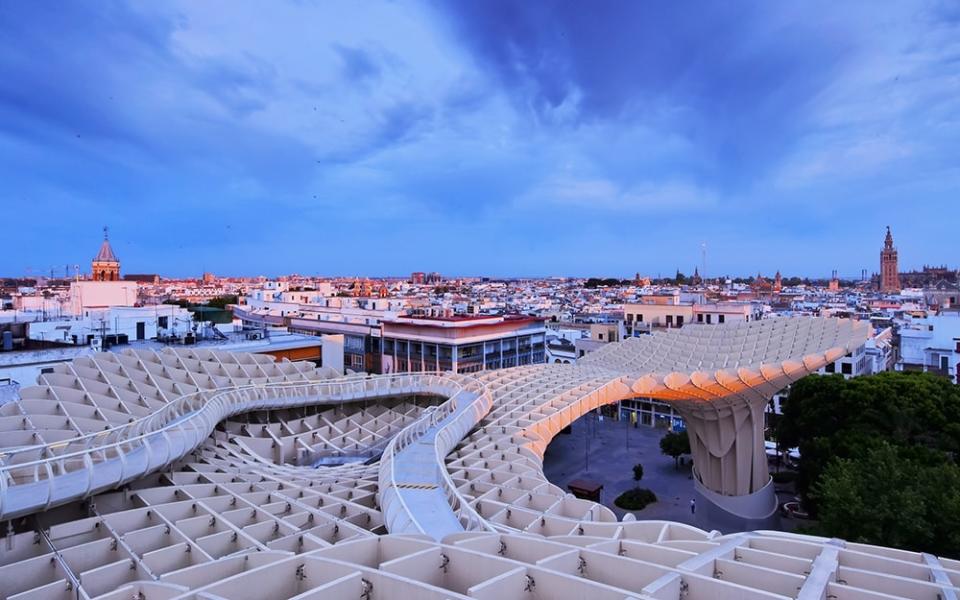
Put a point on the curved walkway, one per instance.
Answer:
(233, 518)
(78, 469)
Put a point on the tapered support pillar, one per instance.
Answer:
(729, 458)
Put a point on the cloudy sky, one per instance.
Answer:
(503, 138)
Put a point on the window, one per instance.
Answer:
(700, 318)
(162, 322)
(629, 317)
(640, 318)
(600, 336)
(669, 320)
(709, 319)
(679, 320)
(846, 368)
(831, 368)
(721, 318)
(945, 363)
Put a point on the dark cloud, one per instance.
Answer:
(239, 86)
(114, 93)
(58, 78)
(357, 64)
(513, 125)
(397, 123)
(732, 77)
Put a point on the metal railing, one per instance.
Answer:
(39, 477)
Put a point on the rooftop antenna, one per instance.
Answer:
(703, 258)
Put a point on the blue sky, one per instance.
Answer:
(500, 138)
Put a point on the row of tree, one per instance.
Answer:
(879, 458)
(220, 302)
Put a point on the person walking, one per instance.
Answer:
(693, 506)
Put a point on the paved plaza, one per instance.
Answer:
(615, 446)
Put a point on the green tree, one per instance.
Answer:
(893, 496)
(222, 301)
(878, 457)
(675, 444)
(829, 416)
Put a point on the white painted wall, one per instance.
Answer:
(89, 294)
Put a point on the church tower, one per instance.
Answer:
(889, 273)
(106, 265)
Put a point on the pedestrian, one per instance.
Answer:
(693, 506)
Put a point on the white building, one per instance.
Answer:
(86, 295)
(134, 322)
(931, 345)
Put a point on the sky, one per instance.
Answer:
(501, 138)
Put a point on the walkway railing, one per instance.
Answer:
(38, 477)
(469, 403)
(447, 439)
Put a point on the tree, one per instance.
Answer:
(596, 282)
(878, 457)
(829, 416)
(222, 301)
(637, 472)
(675, 444)
(902, 497)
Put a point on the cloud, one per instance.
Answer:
(648, 197)
(844, 161)
(358, 64)
(735, 80)
(503, 124)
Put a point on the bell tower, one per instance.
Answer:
(106, 265)
(889, 269)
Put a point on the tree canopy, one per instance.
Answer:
(222, 301)
(675, 444)
(595, 282)
(877, 451)
(901, 497)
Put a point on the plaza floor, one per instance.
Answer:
(614, 447)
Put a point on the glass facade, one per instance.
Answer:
(652, 413)
(401, 356)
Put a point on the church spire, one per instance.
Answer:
(106, 265)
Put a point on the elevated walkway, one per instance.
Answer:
(37, 478)
(416, 493)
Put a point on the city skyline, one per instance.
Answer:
(70, 271)
(517, 140)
